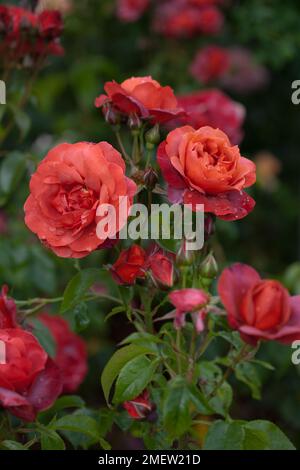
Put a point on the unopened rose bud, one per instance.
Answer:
(139, 407)
(152, 137)
(209, 267)
(150, 178)
(209, 226)
(134, 122)
(185, 257)
(111, 116)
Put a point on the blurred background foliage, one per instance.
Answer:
(98, 48)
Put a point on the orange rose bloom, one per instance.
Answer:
(66, 191)
(142, 96)
(202, 167)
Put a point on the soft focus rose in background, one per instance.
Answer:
(66, 190)
(259, 309)
(210, 63)
(71, 354)
(131, 10)
(183, 18)
(202, 167)
(215, 109)
(268, 168)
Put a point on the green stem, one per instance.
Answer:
(229, 370)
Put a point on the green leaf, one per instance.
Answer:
(115, 311)
(224, 436)
(78, 287)
(116, 363)
(247, 374)
(68, 401)
(275, 438)
(44, 336)
(81, 318)
(12, 445)
(11, 172)
(50, 440)
(222, 400)
(241, 435)
(200, 401)
(78, 423)
(134, 378)
(176, 407)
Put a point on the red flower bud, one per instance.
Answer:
(129, 265)
(140, 407)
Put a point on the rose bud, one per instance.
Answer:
(129, 266)
(152, 137)
(161, 267)
(150, 178)
(209, 267)
(50, 24)
(185, 257)
(140, 407)
(259, 309)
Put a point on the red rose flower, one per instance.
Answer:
(183, 18)
(66, 191)
(210, 63)
(29, 381)
(215, 109)
(259, 309)
(202, 167)
(8, 310)
(131, 10)
(71, 354)
(189, 301)
(129, 265)
(50, 24)
(160, 265)
(139, 407)
(25, 33)
(142, 96)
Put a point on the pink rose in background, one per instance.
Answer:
(210, 63)
(183, 18)
(71, 353)
(214, 108)
(131, 10)
(244, 74)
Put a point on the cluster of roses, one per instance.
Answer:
(25, 34)
(200, 166)
(176, 18)
(30, 380)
